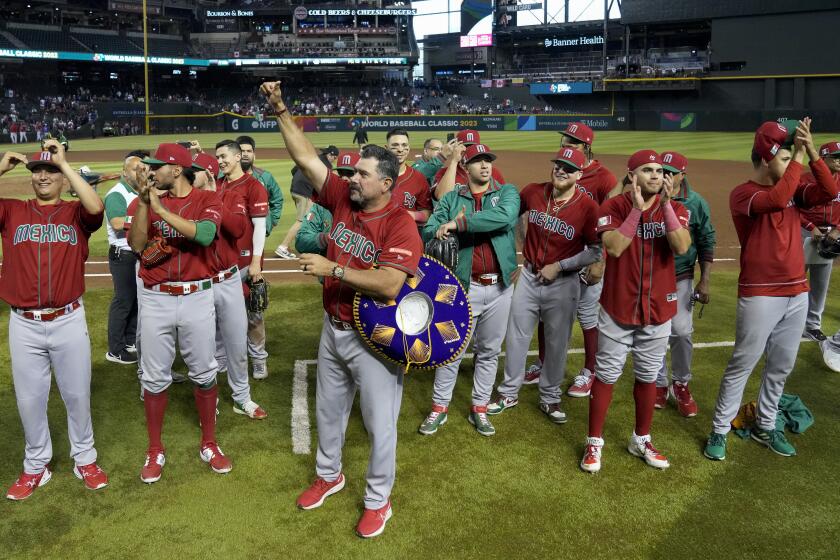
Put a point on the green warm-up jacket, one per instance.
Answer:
(497, 217)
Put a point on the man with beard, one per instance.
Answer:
(412, 189)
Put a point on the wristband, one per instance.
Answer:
(631, 223)
(672, 223)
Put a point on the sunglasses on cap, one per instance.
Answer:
(565, 167)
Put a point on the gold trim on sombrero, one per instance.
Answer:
(448, 331)
(383, 334)
(446, 293)
(420, 352)
(381, 304)
(416, 279)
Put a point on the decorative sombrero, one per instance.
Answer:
(426, 326)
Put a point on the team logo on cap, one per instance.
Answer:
(567, 153)
(781, 128)
(652, 157)
(573, 128)
(45, 156)
(346, 160)
(470, 137)
(668, 158)
(480, 149)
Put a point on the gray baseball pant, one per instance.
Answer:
(188, 321)
(345, 363)
(490, 307)
(765, 325)
(231, 336)
(255, 329)
(682, 327)
(555, 305)
(648, 345)
(819, 275)
(588, 305)
(35, 347)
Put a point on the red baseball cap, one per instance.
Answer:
(570, 156)
(207, 162)
(477, 150)
(172, 154)
(674, 162)
(579, 131)
(347, 160)
(41, 158)
(468, 137)
(830, 149)
(769, 138)
(642, 157)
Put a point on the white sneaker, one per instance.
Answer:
(830, 357)
(260, 371)
(250, 409)
(641, 446)
(284, 253)
(591, 461)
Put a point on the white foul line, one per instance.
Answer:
(301, 438)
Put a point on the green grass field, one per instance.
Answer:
(519, 494)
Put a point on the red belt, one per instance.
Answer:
(486, 279)
(182, 288)
(47, 314)
(225, 274)
(341, 325)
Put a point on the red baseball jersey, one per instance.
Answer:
(234, 223)
(640, 287)
(461, 176)
(412, 191)
(44, 252)
(767, 223)
(556, 230)
(827, 214)
(484, 260)
(256, 205)
(189, 261)
(362, 240)
(597, 181)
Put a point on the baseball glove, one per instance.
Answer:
(829, 247)
(257, 296)
(156, 252)
(444, 250)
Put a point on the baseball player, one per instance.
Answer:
(682, 324)
(275, 194)
(818, 222)
(45, 246)
(251, 243)
(430, 162)
(641, 231)
(314, 230)
(372, 248)
(231, 315)
(483, 214)
(559, 242)
(441, 184)
(412, 188)
(176, 300)
(597, 182)
(772, 288)
(122, 263)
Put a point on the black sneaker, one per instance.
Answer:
(814, 334)
(122, 358)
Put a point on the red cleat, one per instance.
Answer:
(27, 483)
(686, 405)
(532, 374)
(373, 521)
(153, 467)
(315, 495)
(210, 453)
(93, 477)
(661, 397)
(582, 385)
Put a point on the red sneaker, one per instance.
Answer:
(582, 384)
(686, 405)
(153, 467)
(661, 397)
(210, 453)
(591, 461)
(532, 374)
(94, 477)
(27, 483)
(373, 521)
(315, 495)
